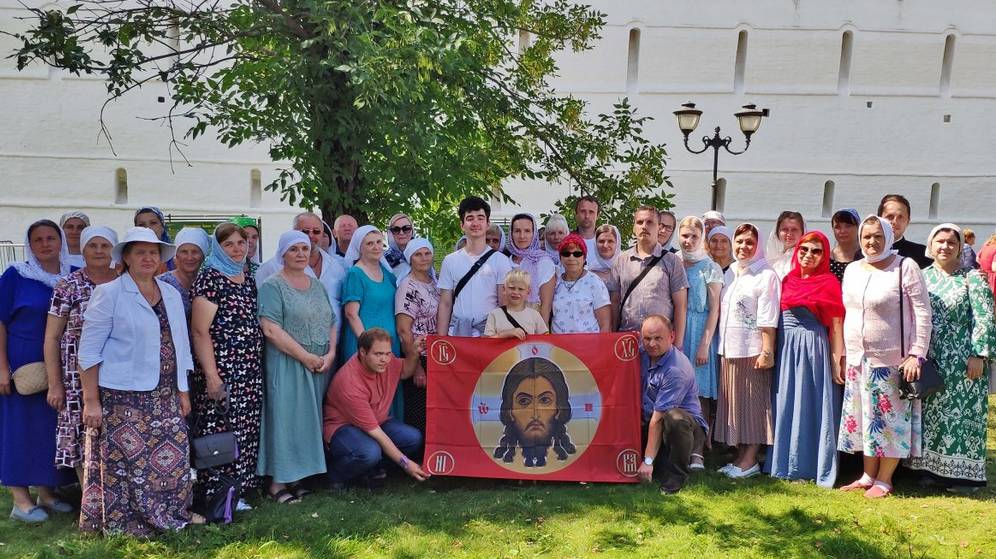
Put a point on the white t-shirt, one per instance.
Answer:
(480, 295)
(333, 272)
(575, 303)
(592, 246)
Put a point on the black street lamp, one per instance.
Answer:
(688, 119)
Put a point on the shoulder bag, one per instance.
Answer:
(636, 281)
(470, 273)
(930, 381)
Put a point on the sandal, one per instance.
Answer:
(284, 497)
(858, 485)
(879, 490)
(300, 491)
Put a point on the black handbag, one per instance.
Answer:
(216, 449)
(930, 381)
(220, 507)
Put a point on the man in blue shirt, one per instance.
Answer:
(671, 411)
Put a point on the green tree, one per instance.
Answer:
(379, 106)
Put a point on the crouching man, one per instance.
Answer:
(360, 438)
(671, 411)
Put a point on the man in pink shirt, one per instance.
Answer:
(359, 435)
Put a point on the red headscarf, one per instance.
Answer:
(820, 292)
(574, 239)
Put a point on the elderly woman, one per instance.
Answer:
(72, 224)
(527, 255)
(135, 356)
(581, 301)
(415, 305)
(400, 231)
(153, 218)
(875, 419)
(227, 383)
(495, 237)
(705, 285)
(554, 231)
(782, 240)
(845, 232)
(807, 407)
(608, 245)
(27, 423)
(711, 220)
(301, 332)
(964, 341)
(192, 246)
(62, 340)
(748, 320)
(720, 245)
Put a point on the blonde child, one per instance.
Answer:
(515, 320)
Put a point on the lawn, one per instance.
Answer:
(712, 517)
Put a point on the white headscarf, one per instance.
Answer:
(759, 254)
(936, 230)
(32, 269)
(411, 248)
(595, 261)
(194, 236)
(78, 215)
(698, 253)
(779, 257)
(353, 252)
(289, 239)
(713, 214)
(391, 243)
(719, 230)
(554, 220)
(92, 232)
(889, 236)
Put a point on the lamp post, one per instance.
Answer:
(688, 120)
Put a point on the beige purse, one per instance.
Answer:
(31, 378)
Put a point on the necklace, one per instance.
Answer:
(569, 284)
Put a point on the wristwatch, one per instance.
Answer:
(648, 461)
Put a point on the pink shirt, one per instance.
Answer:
(358, 397)
(871, 322)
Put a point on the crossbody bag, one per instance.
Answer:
(636, 281)
(470, 273)
(930, 380)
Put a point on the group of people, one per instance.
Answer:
(783, 348)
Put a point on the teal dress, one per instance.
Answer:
(290, 439)
(700, 275)
(376, 301)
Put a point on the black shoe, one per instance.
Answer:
(671, 487)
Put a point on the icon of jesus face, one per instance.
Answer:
(534, 406)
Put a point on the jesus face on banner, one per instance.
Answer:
(535, 410)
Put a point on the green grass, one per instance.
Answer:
(712, 517)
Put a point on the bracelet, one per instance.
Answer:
(403, 462)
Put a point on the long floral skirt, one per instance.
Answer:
(137, 465)
(874, 419)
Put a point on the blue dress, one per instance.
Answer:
(807, 403)
(700, 275)
(27, 423)
(376, 301)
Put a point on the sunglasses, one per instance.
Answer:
(807, 250)
(575, 254)
(312, 231)
(399, 230)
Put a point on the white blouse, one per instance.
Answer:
(750, 302)
(575, 303)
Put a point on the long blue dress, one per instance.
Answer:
(807, 402)
(700, 275)
(376, 301)
(27, 423)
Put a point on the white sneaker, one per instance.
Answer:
(732, 471)
(744, 474)
(242, 506)
(726, 469)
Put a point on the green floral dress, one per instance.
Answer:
(954, 421)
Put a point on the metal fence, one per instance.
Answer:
(10, 252)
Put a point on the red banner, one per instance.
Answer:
(561, 407)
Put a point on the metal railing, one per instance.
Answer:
(10, 252)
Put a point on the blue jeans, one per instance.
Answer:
(352, 452)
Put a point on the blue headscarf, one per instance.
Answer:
(170, 264)
(220, 261)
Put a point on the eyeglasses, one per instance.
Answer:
(399, 230)
(814, 251)
(575, 254)
(312, 231)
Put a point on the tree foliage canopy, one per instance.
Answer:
(377, 105)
